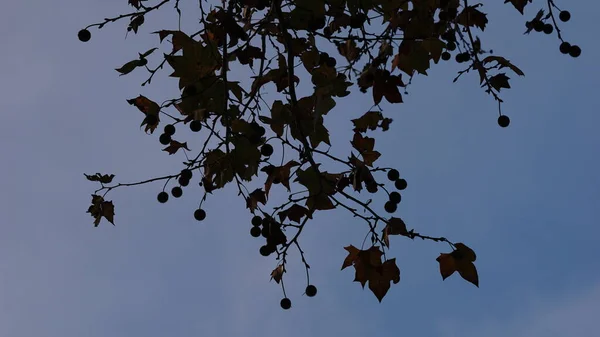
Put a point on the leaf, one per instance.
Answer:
(502, 62)
(280, 174)
(472, 17)
(370, 120)
(352, 256)
(130, 66)
(434, 47)
(174, 146)
(379, 282)
(101, 208)
(319, 135)
(102, 178)
(310, 59)
(499, 81)
(411, 57)
(465, 252)
(447, 265)
(320, 185)
(378, 285)
(277, 273)
(365, 145)
(294, 213)
(254, 198)
(392, 94)
(197, 62)
(368, 268)
(519, 4)
(461, 260)
(136, 22)
(390, 271)
(468, 272)
(348, 49)
(147, 53)
(149, 108)
(249, 54)
(320, 202)
(108, 211)
(135, 3)
(394, 226)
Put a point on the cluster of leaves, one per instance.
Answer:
(381, 44)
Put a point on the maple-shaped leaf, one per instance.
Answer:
(435, 47)
(294, 213)
(277, 273)
(361, 174)
(249, 54)
(370, 120)
(198, 61)
(254, 198)
(394, 226)
(150, 108)
(278, 174)
(465, 252)
(102, 178)
(461, 260)
(412, 56)
(365, 146)
(320, 202)
(369, 268)
(472, 17)
(320, 185)
(499, 81)
(179, 39)
(467, 271)
(352, 256)
(348, 49)
(519, 4)
(379, 282)
(174, 146)
(319, 134)
(101, 208)
(447, 265)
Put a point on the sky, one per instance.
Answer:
(525, 198)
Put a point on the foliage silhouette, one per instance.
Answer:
(258, 145)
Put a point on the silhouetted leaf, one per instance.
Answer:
(470, 16)
(394, 226)
(370, 120)
(519, 4)
(129, 66)
(150, 109)
(174, 146)
(502, 62)
(277, 273)
(365, 145)
(147, 53)
(499, 81)
(101, 208)
(294, 213)
(368, 268)
(258, 196)
(461, 260)
(102, 178)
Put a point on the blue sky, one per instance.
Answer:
(524, 198)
